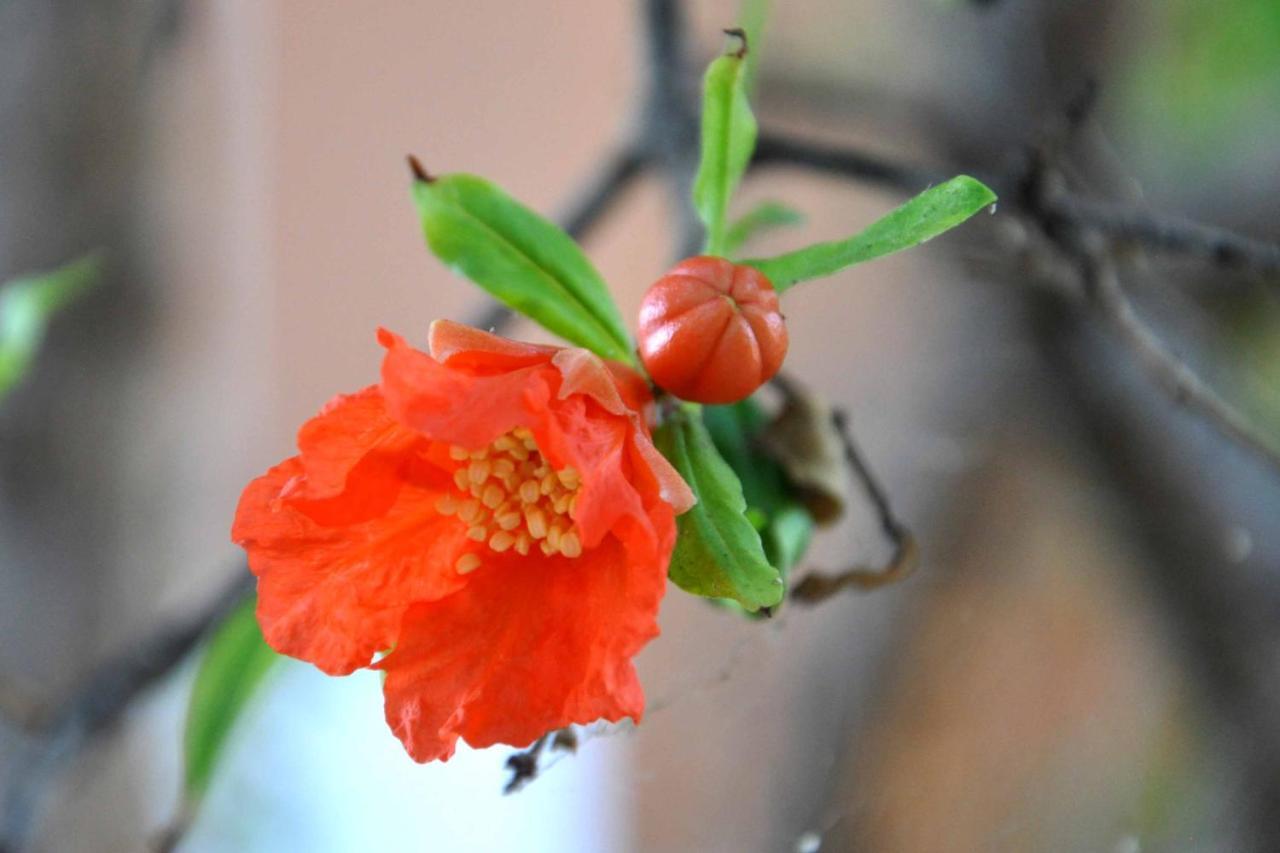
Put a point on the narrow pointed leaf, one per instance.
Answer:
(522, 259)
(26, 307)
(728, 140)
(233, 666)
(769, 214)
(924, 217)
(718, 552)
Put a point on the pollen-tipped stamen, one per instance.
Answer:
(510, 498)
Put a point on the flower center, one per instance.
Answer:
(509, 497)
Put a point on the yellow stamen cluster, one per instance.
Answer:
(509, 497)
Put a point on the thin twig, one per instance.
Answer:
(1169, 372)
(596, 197)
(819, 586)
(669, 119)
(526, 764)
(1217, 247)
(775, 148)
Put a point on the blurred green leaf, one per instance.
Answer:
(769, 214)
(728, 139)
(784, 524)
(787, 537)
(1203, 84)
(924, 217)
(522, 259)
(718, 552)
(233, 666)
(26, 306)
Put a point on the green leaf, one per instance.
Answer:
(732, 429)
(728, 139)
(718, 552)
(924, 217)
(233, 666)
(522, 259)
(785, 525)
(26, 306)
(769, 214)
(786, 537)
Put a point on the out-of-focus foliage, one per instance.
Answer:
(1255, 340)
(765, 216)
(234, 664)
(28, 304)
(1209, 72)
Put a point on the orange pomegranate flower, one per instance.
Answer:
(494, 517)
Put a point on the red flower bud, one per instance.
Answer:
(711, 331)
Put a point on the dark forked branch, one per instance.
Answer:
(1065, 219)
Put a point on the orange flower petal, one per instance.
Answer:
(463, 346)
(531, 645)
(671, 486)
(330, 446)
(353, 556)
(458, 405)
(584, 372)
(335, 573)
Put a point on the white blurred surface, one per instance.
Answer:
(315, 768)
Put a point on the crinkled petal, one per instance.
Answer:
(671, 486)
(580, 436)
(346, 429)
(620, 390)
(584, 372)
(458, 406)
(531, 645)
(634, 389)
(335, 574)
